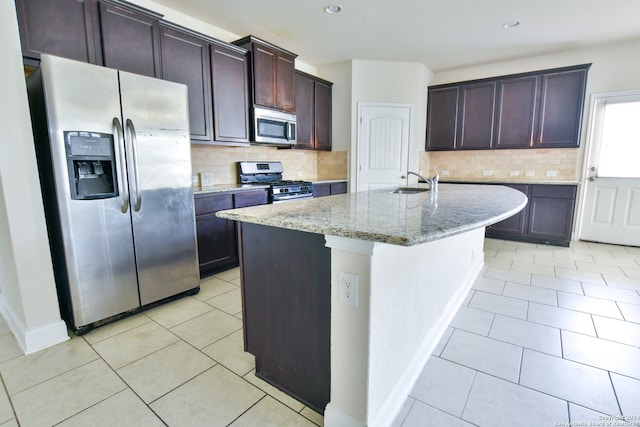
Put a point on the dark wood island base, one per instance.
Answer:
(286, 307)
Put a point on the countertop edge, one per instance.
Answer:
(506, 181)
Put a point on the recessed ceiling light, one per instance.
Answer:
(511, 24)
(332, 8)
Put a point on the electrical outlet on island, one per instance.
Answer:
(348, 289)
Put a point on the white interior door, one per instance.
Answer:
(611, 212)
(383, 145)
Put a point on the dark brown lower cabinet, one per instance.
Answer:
(217, 246)
(217, 237)
(286, 307)
(515, 225)
(329, 188)
(547, 218)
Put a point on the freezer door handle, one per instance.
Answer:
(136, 174)
(122, 184)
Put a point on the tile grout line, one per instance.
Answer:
(6, 391)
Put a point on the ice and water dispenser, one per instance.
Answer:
(91, 165)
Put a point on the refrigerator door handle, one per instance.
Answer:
(136, 174)
(122, 184)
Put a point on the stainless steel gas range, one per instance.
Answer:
(270, 173)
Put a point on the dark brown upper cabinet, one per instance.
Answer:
(216, 76)
(475, 116)
(67, 28)
(442, 118)
(517, 102)
(185, 59)
(561, 104)
(130, 39)
(461, 117)
(313, 112)
(272, 74)
(230, 78)
(541, 109)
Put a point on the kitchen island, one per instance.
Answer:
(345, 297)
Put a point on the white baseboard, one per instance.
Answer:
(31, 341)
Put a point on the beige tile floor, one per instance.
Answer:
(180, 364)
(547, 335)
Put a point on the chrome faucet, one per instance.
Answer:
(433, 182)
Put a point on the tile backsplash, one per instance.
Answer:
(557, 164)
(221, 161)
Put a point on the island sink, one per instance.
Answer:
(409, 190)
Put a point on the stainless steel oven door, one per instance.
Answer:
(290, 197)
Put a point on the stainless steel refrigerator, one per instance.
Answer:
(114, 158)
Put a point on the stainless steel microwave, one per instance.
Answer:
(272, 127)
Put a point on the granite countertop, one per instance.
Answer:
(399, 219)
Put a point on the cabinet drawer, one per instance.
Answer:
(209, 204)
(339, 188)
(554, 191)
(321, 190)
(249, 198)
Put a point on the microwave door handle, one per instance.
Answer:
(289, 131)
(122, 179)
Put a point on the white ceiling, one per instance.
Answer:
(442, 34)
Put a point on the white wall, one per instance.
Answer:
(28, 299)
(391, 82)
(381, 82)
